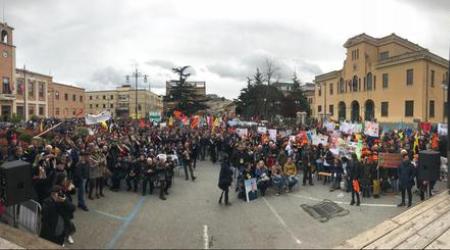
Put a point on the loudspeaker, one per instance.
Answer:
(429, 165)
(15, 182)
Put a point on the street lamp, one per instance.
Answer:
(136, 76)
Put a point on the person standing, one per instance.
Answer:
(307, 159)
(355, 176)
(187, 162)
(406, 180)
(81, 175)
(225, 179)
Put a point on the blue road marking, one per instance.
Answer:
(127, 220)
(110, 215)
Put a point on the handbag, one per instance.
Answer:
(356, 186)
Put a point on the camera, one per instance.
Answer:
(61, 195)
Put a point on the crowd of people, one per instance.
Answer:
(136, 157)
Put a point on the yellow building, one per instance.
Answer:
(388, 79)
(121, 102)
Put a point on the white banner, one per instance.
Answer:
(95, 119)
(371, 129)
(442, 129)
(273, 134)
(320, 139)
(262, 130)
(242, 132)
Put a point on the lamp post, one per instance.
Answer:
(136, 74)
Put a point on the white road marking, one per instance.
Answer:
(341, 202)
(282, 222)
(205, 237)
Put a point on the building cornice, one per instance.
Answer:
(413, 56)
(329, 75)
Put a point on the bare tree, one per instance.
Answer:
(270, 69)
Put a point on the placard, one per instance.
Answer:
(273, 134)
(389, 160)
(371, 129)
(251, 189)
(242, 132)
(320, 139)
(262, 130)
(442, 129)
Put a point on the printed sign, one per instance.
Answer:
(442, 129)
(371, 129)
(262, 130)
(273, 134)
(242, 132)
(155, 117)
(251, 190)
(320, 139)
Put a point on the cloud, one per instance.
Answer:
(108, 76)
(163, 64)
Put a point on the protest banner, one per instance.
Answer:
(163, 125)
(155, 116)
(273, 134)
(320, 139)
(262, 130)
(346, 128)
(330, 126)
(371, 129)
(251, 190)
(95, 119)
(242, 132)
(389, 160)
(442, 129)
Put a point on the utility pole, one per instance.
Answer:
(448, 123)
(136, 76)
(25, 90)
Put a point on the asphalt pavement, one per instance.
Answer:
(192, 218)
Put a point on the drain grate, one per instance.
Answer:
(324, 210)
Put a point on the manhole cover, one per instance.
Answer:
(324, 210)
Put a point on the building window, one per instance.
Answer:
(81, 98)
(57, 111)
(41, 111)
(104, 97)
(6, 87)
(104, 105)
(355, 84)
(90, 97)
(432, 112)
(374, 82)
(331, 110)
(31, 110)
(66, 97)
(74, 112)
(57, 95)
(112, 97)
(31, 89)
(319, 108)
(20, 86)
(96, 97)
(341, 86)
(41, 89)
(139, 107)
(409, 108)
(90, 106)
(385, 80)
(74, 98)
(320, 91)
(112, 106)
(409, 76)
(432, 78)
(384, 55)
(369, 81)
(96, 105)
(384, 109)
(331, 89)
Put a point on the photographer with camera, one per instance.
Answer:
(55, 211)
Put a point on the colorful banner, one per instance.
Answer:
(155, 117)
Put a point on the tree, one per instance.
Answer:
(296, 100)
(183, 94)
(269, 70)
(258, 99)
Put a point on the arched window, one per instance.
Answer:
(355, 84)
(369, 81)
(342, 111)
(4, 36)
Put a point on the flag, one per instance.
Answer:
(416, 144)
(141, 123)
(103, 125)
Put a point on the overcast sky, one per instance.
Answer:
(95, 43)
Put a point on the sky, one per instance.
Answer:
(95, 43)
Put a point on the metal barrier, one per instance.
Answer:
(26, 216)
